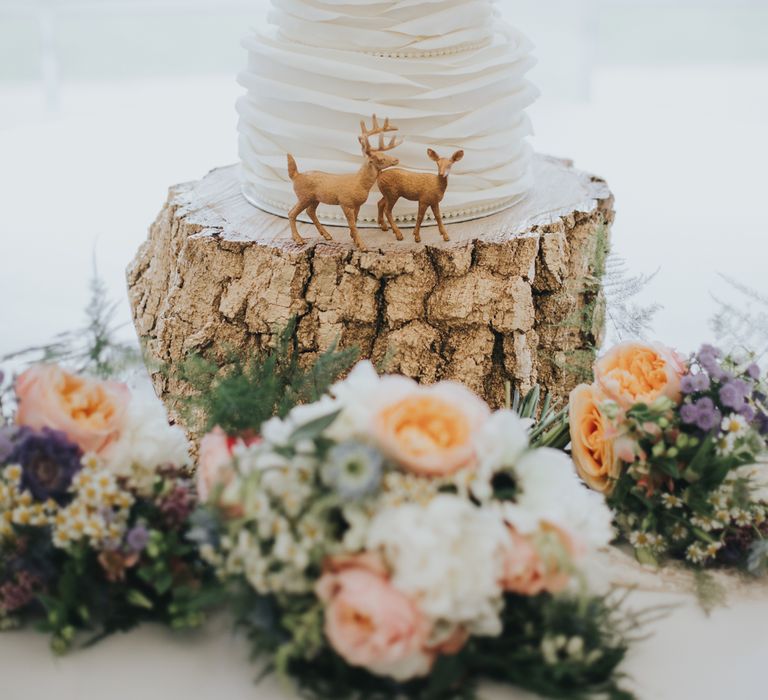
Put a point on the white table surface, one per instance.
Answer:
(689, 657)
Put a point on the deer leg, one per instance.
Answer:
(300, 207)
(382, 211)
(419, 220)
(395, 228)
(440, 224)
(312, 211)
(349, 212)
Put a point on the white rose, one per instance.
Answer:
(147, 442)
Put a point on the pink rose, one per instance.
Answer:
(90, 412)
(371, 624)
(529, 570)
(430, 430)
(215, 463)
(632, 373)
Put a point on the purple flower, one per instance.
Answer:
(708, 357)
(734, 393)
(747, 413)
(692, 383)
(703, 414)
(761, 419)
(753, 371)
(702, 382)
(710, 350)
(18, 592)
(689, 413)
(137, 539)
(761, 423)
(49, 461)
(6, 443)
(177, 505)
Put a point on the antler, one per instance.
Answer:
(380, 131)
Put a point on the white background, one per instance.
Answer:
(105, 103)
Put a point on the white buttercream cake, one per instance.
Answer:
(449, 73)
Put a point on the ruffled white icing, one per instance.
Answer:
(325, 65)
(386, 26)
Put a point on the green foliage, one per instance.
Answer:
(560, 647)
(85, 591)
(93, 349)
(709, 593)
(551, 427)
(250, 391)
(683, 481)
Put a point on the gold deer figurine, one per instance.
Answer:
(350, 192)
(428, 190)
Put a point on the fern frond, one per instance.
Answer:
(247, 391)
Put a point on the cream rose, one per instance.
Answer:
(90, 412)
(632, 373)
(592, 446)
(371, 624)
(430, 430)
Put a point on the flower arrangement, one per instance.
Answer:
(679, 448)
(94, 508)
(394, 540)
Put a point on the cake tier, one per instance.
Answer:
(400, 27)
(309, 100)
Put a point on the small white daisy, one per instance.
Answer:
(695, 553)
(679, 532)
(671, 501)
(735, 425)
(725, 444)
(641, 540)
(712, 549)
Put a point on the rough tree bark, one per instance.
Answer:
(515, 296)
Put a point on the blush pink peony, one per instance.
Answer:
(90, 412)
(371, 624)
(215, 466)
(529, 572)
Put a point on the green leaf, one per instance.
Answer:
(693, 472)
(646, 556)
(139, 600)
(314, 429)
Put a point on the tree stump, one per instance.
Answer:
(512, 297)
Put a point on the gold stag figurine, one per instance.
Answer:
(426, 189)
(350, 192)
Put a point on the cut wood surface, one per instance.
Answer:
(512, 297)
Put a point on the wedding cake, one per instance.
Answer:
(449, 73)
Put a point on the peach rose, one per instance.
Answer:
(633, 373)
(90, 412)
(371, 624)
(529, 572)
(430, 430)
(592, 445)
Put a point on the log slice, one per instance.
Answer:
(512, 297)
